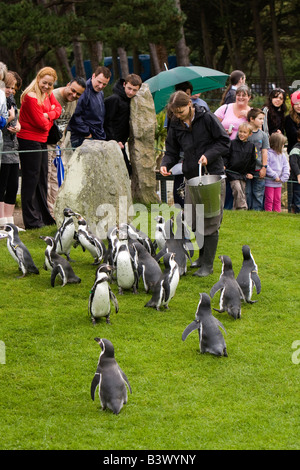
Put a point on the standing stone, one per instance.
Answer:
(141, 147)
(96, 185)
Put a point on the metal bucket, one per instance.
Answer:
(206, 190)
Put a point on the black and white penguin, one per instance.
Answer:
(112, 244)
(178, 244)
(211, 339)
(231, 293)
(126, 267)
(110, 378)
(101, 295)
(166, 287)
(57, 264)
(248, 275)
(148, 267)
(64, 237)
(19, 251)
(89, 241)
(160, 232)
(132, 233)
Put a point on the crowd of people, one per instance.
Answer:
(77, 111)
(248, 144)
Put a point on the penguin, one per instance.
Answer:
(19, 251)
(134, 234)
(160, 232)
(112, 244)
(101, 295)
(248, 275)
(110, 378)
(57, 264)
(231, 293)
(126, 268)
(89, 241)
(148, 267)
(166, 287)
(211, 339)
(176, 244)
(64, 237)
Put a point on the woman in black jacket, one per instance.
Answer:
(201, 137)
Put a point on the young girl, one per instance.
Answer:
(278, 172)
(275, 112)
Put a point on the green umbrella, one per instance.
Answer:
(202, 79)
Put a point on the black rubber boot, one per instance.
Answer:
(198, 262)
(209, 253)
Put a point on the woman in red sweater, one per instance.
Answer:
(39, 109)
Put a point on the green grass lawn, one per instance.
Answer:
(181, 400)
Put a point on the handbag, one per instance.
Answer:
(55, 134)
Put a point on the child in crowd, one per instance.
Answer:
(295, 174)
(240, 165)
(255, 188)
(278, 172)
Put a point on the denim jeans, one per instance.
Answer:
(255, 191)
(77, 141)
(296, 197)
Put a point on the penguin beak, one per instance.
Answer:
(98, 340)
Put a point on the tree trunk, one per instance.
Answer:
(154, 59)
(182, 51)
(206, 38)
(259, 45)
(96, 53)
(78, 57)
(136, 62)
(123, 62)
(277, 53)
(62, 58)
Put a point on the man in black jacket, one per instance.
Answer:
(117, 112)
(202, 138)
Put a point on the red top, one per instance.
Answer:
(34, 125)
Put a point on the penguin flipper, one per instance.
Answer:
(94, 384)
(220, 324)
(219, 285)
(191, 327)
(255, 278)
(124, 377)
(166, 287)
(114, 300)
(160, 254)
(57, 270)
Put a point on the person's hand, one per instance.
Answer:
(163, 171)
(203, 160)
(262, 172)
(277, 179)
(121, 145)
(46, 115)
(298, 178)
(88, 136)
(249, 176)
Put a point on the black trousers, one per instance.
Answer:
(34, 168)
(9, 181)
